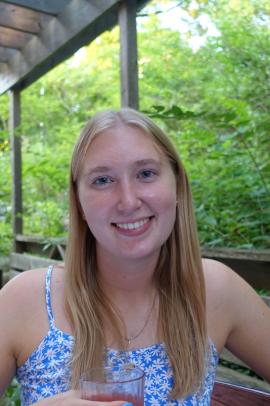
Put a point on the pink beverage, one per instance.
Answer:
(122, 382)
(111, 398)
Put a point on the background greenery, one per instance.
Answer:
(213, 101)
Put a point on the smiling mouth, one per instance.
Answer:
(133, 226)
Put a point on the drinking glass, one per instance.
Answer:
(124, 382)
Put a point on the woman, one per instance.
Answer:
(134, 287)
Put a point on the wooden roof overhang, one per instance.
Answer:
(36, 35)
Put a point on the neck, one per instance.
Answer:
(134, 277)
(131, 288)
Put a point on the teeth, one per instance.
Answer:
(132, 226)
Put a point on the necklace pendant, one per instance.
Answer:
(129, 339)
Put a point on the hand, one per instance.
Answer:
(72, 398)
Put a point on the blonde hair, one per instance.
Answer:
(179, 275)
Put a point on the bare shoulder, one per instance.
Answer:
(223, 283)
(237, 317)
(24, 284)
(23, 291)
(25, 287)
(218, 279)
(23, 319)
(212, 268)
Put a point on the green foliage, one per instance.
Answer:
(234, 208)
(218, 116)
(213, 102)
(12, 395)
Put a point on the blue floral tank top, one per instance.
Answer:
(47, 371)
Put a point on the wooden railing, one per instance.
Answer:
(225, 394)
(252, 265)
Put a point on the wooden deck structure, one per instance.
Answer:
(235, 395)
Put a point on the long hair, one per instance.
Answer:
(179, 275)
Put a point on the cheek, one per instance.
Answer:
(168, 195)
(95, 208)
(166, 202)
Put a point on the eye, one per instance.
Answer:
(102, 181)
(147, 174)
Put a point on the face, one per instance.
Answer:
(127, 191)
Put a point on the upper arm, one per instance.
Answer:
(7, 355)
(20, 301)
(248, 318)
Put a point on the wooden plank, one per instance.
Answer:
(24, 262)
(45, 6)
(16, 163)
(11, 38)
(21, 19)
(49, 247)
(227, 394)
(256, 272)
(4, 262)
(235, 253)
(77, 25)
(128, 54)
(5, 54)
(74, 27)
(40, 239)
(235, 377)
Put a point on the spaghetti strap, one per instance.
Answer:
(48, 295)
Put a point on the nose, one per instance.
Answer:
(128, 197)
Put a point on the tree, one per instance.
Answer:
(213, 101)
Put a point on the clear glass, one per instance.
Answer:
(125, 382)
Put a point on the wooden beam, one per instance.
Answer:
(24, 262)
(5, 54)
(45, 6)
(76, 26)
(237, 253)
(11, 38)
(20, 18)
(237, 394)
(128, 54)
(16, 162)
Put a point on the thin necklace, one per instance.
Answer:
(129, 339)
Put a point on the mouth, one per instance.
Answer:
(130, 226)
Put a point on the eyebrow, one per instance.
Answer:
(140, 162)
(149, 161)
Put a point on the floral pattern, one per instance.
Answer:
(47, 371)
(159, 378)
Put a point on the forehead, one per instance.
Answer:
(123, 141)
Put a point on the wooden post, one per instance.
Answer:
(128, 54)
(16, 162)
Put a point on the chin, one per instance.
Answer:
(140, 254)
